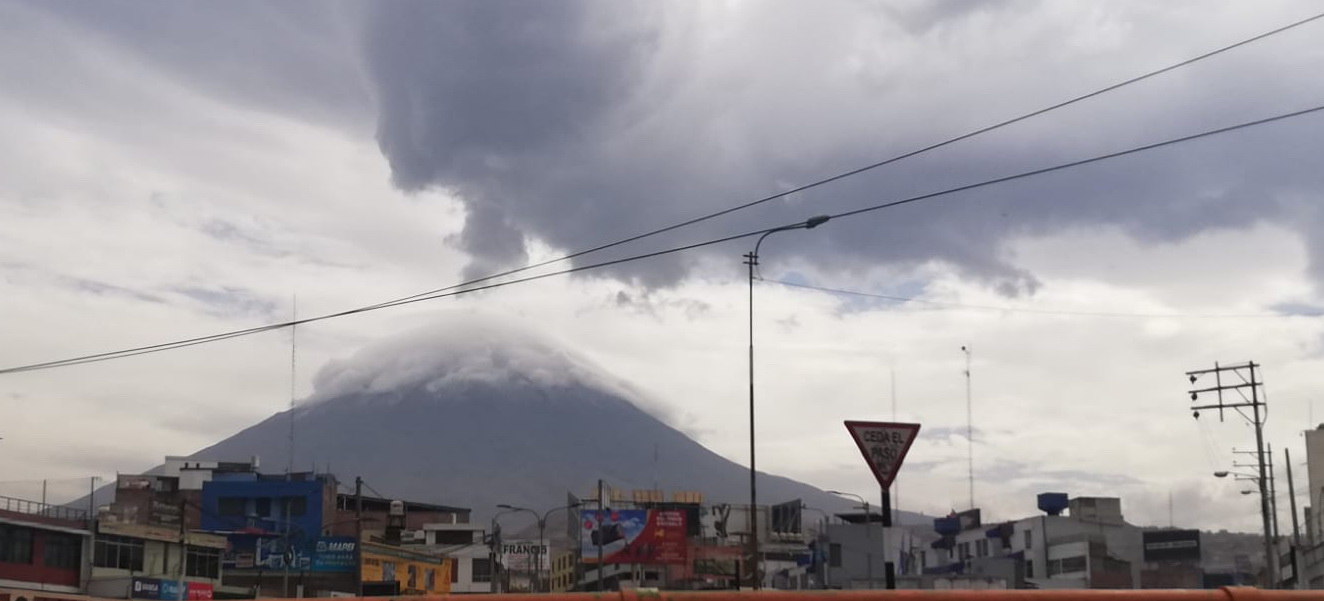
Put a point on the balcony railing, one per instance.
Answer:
(40, 509)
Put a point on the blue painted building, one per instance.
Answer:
(270, 519)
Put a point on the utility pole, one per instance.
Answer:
(358, 534)
(602, 506)
(183, 551)
(1291, 496)
(1242, 379)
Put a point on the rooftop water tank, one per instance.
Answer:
(1053, 503)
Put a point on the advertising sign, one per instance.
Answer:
(414, 576)
(652, 536)
(168, 590)
(523, 556)
(1171, 545)
(265, 552)
(786, 518)
(884, 446)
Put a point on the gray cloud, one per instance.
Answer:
(549, 124)
(582, 122)
(298, 57)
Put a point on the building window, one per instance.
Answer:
(231, 506)
(963, 550)
(1067, 565)
(455, 572)
(202, 562)
(981, 547)
(834, 555)
(62, 551)
(482, 571)
(296, 506)
(1029, 568)
(15, 545)
(118, 552)
(262, 507)
(1029, 539)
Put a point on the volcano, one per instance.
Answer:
(477, 412)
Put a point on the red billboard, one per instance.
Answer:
(653, 536)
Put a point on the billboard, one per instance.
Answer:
(1171, 545)
(786, 518)
(271, 552)
(646, 536)
(168, 590)
(525, 556)
(414, 575)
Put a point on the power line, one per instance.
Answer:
(802, 188)
(1081, 162)
(467, 287)
(866, 168)
(942, 304)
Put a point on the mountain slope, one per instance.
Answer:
(476, 413)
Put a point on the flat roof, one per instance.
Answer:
(347, 501)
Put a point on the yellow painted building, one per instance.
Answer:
(417, 573)
(563, 572)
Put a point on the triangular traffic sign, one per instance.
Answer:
(884, 446)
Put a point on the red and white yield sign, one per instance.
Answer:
(884, 446)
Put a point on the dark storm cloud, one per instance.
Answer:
(559, 121)
(581, 122)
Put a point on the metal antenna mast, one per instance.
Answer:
(294, 354)
(969, 426)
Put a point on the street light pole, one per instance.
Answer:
(752, 260)
(542, 536)
(496, 542)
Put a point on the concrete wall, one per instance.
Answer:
(858, 545)
(1315, 469)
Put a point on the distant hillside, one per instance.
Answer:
(476, 413)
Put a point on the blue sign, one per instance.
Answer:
(335, 554)
(157, 589)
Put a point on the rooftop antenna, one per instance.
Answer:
(969, 427)
(294, 353)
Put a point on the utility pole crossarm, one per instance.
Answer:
(1201, 372)
(1224, 387)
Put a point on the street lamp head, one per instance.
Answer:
(816, 221)
(1247, 492)
(505, 506)
(1220, 474)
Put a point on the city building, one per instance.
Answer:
(392, 570)
(1092, 547)
(1305, 564)
(374, 511)
(564, 570)
(153, 562)
(171, 494)
(469, 549)
(43, 547)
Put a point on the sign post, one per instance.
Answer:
(884, 446)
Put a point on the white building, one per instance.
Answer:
(1092, 547)
(467, 545)
(1310, 559)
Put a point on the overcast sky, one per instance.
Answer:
(168, 171)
